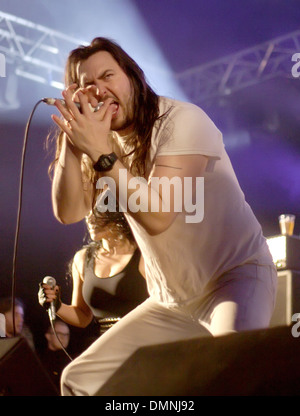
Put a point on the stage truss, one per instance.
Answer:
(234, 72)
(39, 53)
(35, 51)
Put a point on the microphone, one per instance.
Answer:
(51, 101)
(50, 281)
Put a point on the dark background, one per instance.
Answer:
(184, 34)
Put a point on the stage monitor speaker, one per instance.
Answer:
(21, 372)
(288, 298)
(251, 363)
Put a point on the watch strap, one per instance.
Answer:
(105, 162)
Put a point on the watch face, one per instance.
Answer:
(105, 162)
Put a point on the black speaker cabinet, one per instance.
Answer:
(288, 298)
(250, 363)
(21, 373)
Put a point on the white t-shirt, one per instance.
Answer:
(183, 259)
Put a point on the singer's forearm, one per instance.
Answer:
(75, 316)
(153, 206)
(71, 199)
(154, 222)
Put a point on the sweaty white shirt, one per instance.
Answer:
(183, 259)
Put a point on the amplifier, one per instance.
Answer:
(285, 250)
(21, 372)
(288, 298)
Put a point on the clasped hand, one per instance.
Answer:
(88, 131)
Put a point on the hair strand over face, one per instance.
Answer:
(145, 105)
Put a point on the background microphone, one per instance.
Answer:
(50, 281)
(51, 101)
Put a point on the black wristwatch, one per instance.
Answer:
(105, 162)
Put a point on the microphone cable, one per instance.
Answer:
(17, 232)
(18, 221)
(57, 337)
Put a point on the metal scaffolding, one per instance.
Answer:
(35, 51)
(224, 76)
(39, 53)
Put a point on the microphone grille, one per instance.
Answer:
(50, 281)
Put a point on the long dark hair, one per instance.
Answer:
(146, 101)
(118, 227)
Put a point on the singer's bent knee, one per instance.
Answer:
(68, 383)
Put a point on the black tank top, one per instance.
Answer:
(114, 297)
